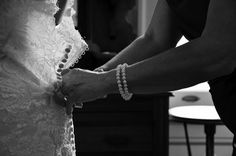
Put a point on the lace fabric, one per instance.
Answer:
(31, 48)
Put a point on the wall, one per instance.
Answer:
(145, 11)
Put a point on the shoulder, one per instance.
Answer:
(221, 19)
(220, 24)
(219, 33)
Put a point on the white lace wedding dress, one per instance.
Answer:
(33, 51)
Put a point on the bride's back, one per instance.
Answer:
(31, 51)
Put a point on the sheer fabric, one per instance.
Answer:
(31, 49)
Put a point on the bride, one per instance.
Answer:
(33, 52)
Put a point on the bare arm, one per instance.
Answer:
(210, 56)
(162, 34)
(207, 57)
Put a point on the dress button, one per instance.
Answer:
(61, 65)
(59, 70)
(66, 56)
(64, 60)
(72, 140)
(71, 130)
(72, 135)
(59, 78)
(68, 50)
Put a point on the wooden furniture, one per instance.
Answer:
(113, 126)
(198, 114)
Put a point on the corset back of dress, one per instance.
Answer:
(39, 45)
(31, 49)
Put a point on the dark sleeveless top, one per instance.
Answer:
(191, 17)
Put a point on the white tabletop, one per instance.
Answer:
(198, 112)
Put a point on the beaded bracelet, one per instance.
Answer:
(125, 85)
(122, 84)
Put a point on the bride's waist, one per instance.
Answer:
(17, 70)
(18, 93)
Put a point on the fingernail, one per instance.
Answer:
(78, 105)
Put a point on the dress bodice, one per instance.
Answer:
(31, 123)
(38, 44)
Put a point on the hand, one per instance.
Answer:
(100, 69)
(82, 86)
(59, 98)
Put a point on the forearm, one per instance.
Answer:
(140, 49)
(177, 68)
(162, 34)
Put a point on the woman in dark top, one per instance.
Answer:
(156, 65)
(191, 17)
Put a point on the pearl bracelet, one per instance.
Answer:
(122, 84)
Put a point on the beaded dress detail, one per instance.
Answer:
(33, 52)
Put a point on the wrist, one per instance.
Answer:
(105, 68)
(110, 82)
(101, 69)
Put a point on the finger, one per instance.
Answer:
(66, 87)
(69, 107)
(65, 71)
(59, 99)
(78, 105)
(67, 90)
(69, 104)
(99, 70)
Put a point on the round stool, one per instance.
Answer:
(198, 114)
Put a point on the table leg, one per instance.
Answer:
(187, 139)
(210, 132)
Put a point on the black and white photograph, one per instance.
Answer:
(117, 78)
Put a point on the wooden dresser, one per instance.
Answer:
(114, 127)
